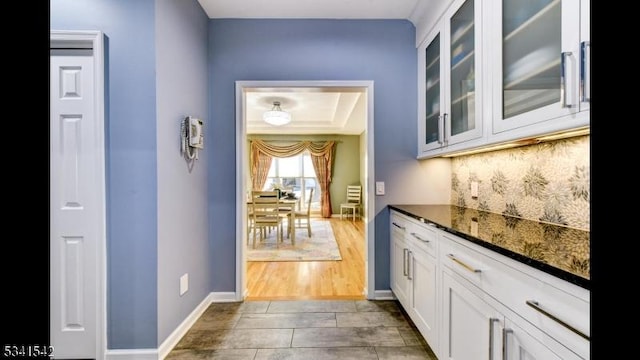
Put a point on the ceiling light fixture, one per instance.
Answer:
(276, 116)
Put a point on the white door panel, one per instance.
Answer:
(74, 207)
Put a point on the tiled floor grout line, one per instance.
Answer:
(304, 315)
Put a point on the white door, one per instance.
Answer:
(75, 206)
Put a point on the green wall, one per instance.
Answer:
(346, 165)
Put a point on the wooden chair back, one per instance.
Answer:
(265, 207)
(354, 193)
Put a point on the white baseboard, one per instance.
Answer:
(362, 218)
(383, 295)
(172, 340)
(223, 297)
(132, 354)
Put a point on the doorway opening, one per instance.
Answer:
(244, 105)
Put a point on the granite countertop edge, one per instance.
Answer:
(547, 268)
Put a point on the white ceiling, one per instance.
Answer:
(313, 110)
(310, 9)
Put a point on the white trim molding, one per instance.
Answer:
(132, 354)
(218, 297)
(172, 340)
(383, 295)
(241, 158)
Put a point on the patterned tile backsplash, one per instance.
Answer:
(548, 182)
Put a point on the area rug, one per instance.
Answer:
(321, 246)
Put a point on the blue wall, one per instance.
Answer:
(182, 87)
(131, 161)
(244, 49)
(378, 50)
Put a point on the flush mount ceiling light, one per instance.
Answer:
(276, 116)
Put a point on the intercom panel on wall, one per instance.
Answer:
(192, 137)
(196, 136)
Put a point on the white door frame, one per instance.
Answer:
(95, 40)
(241, 179)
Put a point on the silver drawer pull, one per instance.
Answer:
(468, 267)
(398, 226)
(505, 343)
(405, 253)
(419, 238)
(491, 321)
(534, 304)
(410, 268)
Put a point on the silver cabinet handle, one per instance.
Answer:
(505, 343)
(418, 237)
(404, 261)
(444, 128)
(468, 267)
(491, 322)
(410, 267)
(585, 96)
(563, 79)
(440, 129)
(398, 226)
(534, 304)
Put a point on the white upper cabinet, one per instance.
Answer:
(450, 108)
(538, 65)
(495, 71)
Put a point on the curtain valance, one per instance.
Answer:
(321, 157)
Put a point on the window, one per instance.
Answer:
(296, 174)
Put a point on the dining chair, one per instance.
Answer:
(353, 201)
(265, 215)
(302, 218)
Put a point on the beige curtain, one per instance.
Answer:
(321, 156)
(260, 165)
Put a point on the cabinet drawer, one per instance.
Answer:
(398, 222)
(562, 315)
(518, 288)
(423, 237)
(467, 263)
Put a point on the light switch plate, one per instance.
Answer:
(379, 187)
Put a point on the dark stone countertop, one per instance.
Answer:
(556, 250)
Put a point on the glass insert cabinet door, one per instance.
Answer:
(450, 107)
(433, 126)
(462, 55)
(531, 43)
(539, 59)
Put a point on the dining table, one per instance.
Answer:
(290, 203)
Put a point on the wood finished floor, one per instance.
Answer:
(305, 280)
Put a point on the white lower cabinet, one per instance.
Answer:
(424, 292)
(471, 327)
(399, 254)
(414, 275)
(470, 303)
(478, 327)
(520, 345)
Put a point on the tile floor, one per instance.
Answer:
(308, 329)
